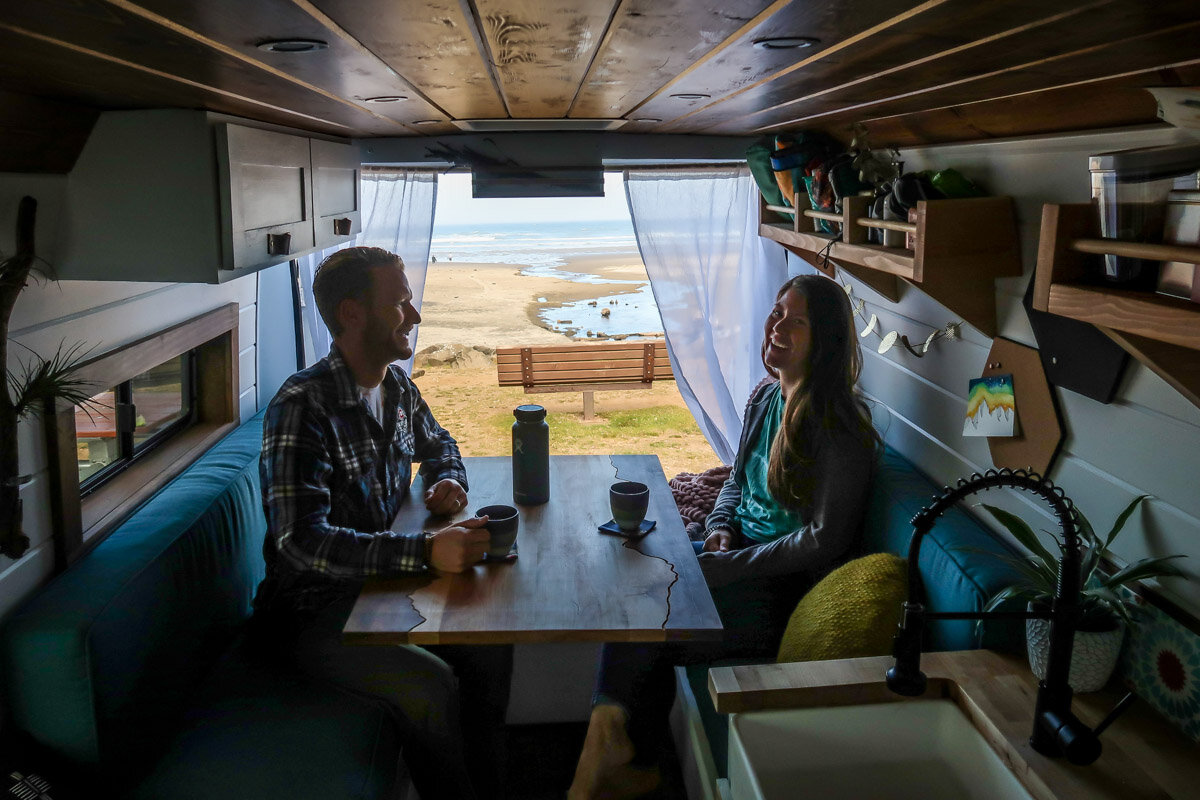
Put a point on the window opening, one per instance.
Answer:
(130, 419)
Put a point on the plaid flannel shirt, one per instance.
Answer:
(333, 480)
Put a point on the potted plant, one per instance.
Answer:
(1105, 606)
(40, 381)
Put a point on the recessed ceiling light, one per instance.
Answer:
(292, 45)
(385, 98)
(785, 42)
(427, 122)
(646, 119)
(691, 96)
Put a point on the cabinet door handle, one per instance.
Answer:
(279, 244)
(341, 227)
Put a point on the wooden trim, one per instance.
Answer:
(81, 523)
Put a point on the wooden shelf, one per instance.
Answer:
(1159, 331)
(960, 247)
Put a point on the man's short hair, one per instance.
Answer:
(346, 275)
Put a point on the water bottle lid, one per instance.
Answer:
(530, 413)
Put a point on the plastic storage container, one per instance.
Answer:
(1180, 278)
(530, 456)
(1130, 188)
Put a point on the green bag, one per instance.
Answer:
(758, 156)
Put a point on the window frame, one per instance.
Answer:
(133, 451)
(82, 522)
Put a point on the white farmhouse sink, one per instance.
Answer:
(918, 750)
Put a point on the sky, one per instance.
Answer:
(455, 206)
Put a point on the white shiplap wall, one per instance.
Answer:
(1146, 441)
(106, 315)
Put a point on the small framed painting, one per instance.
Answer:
(991, 407)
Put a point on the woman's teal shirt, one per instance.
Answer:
(762, 518)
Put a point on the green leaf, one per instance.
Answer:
(1022, 533)
(1145, 568)
(1122, 518)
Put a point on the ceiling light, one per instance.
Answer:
(691, 96)
(427, 122)
(385, 98)
(646, 119)
(785, 42)
(292, 45)
(560, 125)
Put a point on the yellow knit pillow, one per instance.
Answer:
(852, 612)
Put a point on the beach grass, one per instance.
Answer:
(478, 413)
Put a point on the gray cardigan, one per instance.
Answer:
(829, 534)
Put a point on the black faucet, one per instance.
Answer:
(1056, 731)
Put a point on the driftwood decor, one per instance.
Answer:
(39, 382)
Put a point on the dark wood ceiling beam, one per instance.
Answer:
(651, 44)
(104, 31)
(1130, 55)
(910, 52)
(296, 117)
(41, 135)
(740, 69)
(237, 31)
(433, 44)
(66, 73)
(541, 49)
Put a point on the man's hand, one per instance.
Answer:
(445, 497)
(457, 547)
(719, 541)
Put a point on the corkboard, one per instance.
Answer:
(1040, 427)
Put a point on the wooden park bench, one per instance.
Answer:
(584, 368)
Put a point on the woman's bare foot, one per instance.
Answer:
(604, 771)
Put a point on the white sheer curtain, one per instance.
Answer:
(397, 215)
(714, 281)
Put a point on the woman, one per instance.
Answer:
(789, 513)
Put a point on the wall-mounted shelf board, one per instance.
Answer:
(1161, 332)
(959, 248)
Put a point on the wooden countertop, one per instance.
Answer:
(1143, 757)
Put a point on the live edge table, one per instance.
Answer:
(569, 583)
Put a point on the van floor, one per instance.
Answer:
(542, 762)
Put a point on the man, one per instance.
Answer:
(339, 441)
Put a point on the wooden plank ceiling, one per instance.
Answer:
(910, 72)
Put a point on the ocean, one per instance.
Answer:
(545, 249)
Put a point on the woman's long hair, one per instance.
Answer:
(827, 401)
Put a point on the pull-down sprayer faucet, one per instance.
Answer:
(1056, 731)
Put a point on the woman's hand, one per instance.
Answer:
(719, 541)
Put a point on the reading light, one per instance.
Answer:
(385, 98)
(292, 45)
(785, 42)
(691, 96)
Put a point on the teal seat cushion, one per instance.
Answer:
(255, 732)
(99, 665)
(956, 569)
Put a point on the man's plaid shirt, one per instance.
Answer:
(333, 480)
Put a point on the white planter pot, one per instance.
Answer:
(1093, 658)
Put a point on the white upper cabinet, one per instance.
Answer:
(193, 197)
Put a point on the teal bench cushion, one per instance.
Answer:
(127, 664)
(957, 570)
(100, 663)
(257, 733)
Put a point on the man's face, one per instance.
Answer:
(390, 316)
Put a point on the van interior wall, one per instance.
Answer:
(1145, 441)
(108, 314)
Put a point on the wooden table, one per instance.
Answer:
(570, 583)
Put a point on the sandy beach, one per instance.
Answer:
(495, 305)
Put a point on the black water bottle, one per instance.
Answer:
(530, 456)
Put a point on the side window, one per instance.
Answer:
(128, 420)
(159, 403)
